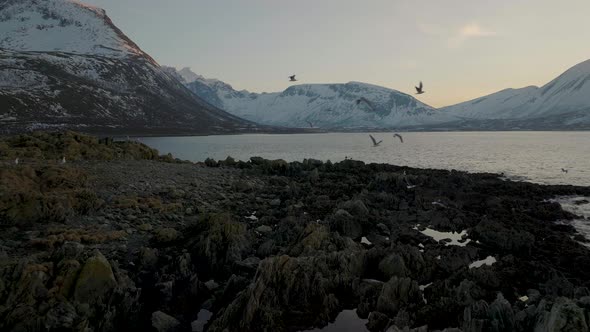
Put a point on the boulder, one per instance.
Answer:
(163, 322)
(96, 280)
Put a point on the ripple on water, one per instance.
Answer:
(579, 206)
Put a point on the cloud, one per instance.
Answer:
(474, 30)
(469, 31)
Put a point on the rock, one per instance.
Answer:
(393, 265)
(398, 293)
(69, 250)
(377, 321)
(356, 208)
(565, 315)
(275, 202)
(344, 223)
(163, 322)
(166, 235)
(211, 285)
(264, 229)
(96, 280)
(383, 229)
(145, 227)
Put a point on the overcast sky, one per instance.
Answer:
(461, 49)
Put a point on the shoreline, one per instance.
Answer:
(121, 238)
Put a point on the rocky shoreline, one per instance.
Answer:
(120, 238)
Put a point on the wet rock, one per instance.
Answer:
(163, 322)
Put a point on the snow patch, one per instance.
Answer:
(490, 260)
(456, 238)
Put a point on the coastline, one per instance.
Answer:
(121, 238)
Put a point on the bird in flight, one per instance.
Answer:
(399, 136)
(292, 78)
(564, 170)
(310, 124)
(375, 143)
(419, 89)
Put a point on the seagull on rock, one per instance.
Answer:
(16, 161)
(63, 160)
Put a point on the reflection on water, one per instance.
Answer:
(531, 156)
(346, 321)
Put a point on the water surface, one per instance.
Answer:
(531, 156)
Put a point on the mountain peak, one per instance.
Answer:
(68, 26)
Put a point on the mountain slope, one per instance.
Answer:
(328, 106)
(64, 64)
(565, 101)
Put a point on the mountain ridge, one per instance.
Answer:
(65, 65)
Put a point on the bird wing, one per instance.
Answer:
(373, 139)
(421, 85)
(417, 89)
(399, 136)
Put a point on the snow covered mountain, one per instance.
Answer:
(64, 64)
(563, 103)
(327, 106)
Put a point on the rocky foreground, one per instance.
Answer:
(121, 239)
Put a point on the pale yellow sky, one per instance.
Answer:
(461, 49)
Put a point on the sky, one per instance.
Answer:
(460, 49)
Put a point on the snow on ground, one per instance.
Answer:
(366, 241)
(61, 25)
(490, 260)
(456, 238)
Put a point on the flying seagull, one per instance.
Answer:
(310, 124)
(292, 78)
(419, 88)
(564, 170)
(399, 136)
(375, 143)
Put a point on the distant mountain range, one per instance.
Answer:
(562, 104)
(328, 106)
(64, 64)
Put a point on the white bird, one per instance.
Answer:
(375, 143)
(16, 161)
(63, 160)
(399, 136)
(408, 184)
